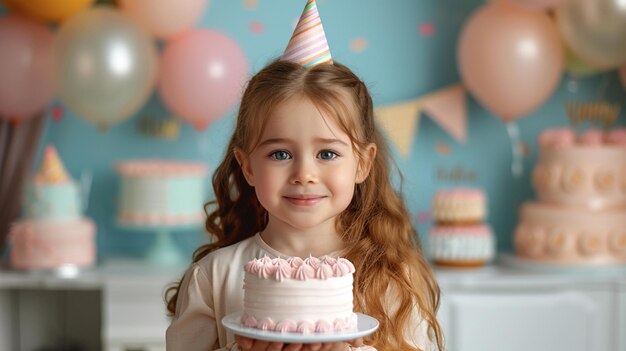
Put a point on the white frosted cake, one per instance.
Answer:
(580, 215)
(161, 193)
(53, 233)
(299, 296)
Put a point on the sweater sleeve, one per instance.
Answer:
(194, 326)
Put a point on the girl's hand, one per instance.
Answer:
(247, 344)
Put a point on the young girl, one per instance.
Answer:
(307, 172)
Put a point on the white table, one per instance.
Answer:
(119, 306)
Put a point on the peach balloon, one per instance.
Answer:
(165, 18)
(510, 58)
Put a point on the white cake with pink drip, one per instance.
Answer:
(53, 233)
(294, 295)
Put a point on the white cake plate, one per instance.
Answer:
(366, 325)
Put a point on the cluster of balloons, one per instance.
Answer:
(512, 53)
(103, 63)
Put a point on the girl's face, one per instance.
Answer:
(304, 169)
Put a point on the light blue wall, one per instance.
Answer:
(398, 64)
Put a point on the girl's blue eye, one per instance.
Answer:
(280, 155)
(327, 155)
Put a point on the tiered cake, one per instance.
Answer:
(460, 237)
(299, 296)
(53, 233)
(580, 218)
(161, 193)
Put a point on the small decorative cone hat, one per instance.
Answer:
(308, 45)
(51, 170)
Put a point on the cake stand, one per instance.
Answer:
(163, 250)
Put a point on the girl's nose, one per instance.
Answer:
(304, 172)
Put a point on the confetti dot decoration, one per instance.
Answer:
(427, 29)
(443, 149)
(256, 27)
(358, 45)
(250, 4)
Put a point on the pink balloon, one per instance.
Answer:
(510, 58)
(26, 86)
(537, 4)
(201, 76)
(165, 18)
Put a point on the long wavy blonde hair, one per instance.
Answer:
(375, 228)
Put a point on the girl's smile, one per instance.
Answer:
(304, 200)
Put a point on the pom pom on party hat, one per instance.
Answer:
(51, 170)
(308, 45)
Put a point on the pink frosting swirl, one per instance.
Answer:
(286, 326)
(592, 137)
(339, 324)
(300, 269)
(324, 271)
(267, 271)
(312, 261)
(617, 136)
(305, 327)
(283, 270)
(266, 324)
(295, 261)
(329, 260)
(248, 321)
(304, 272)
(253, 267)
(323, 327)
(557, 138)
(347, 264)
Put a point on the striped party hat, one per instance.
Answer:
(308, 45)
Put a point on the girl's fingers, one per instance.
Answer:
(356, 342)
(293, 347)
(243, 342)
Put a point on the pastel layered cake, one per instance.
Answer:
(580, 215)
(294, 295)
(53, 233)
(459, 236)
(161, 193)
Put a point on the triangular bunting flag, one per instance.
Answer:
(399, 122)
(448, 108)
